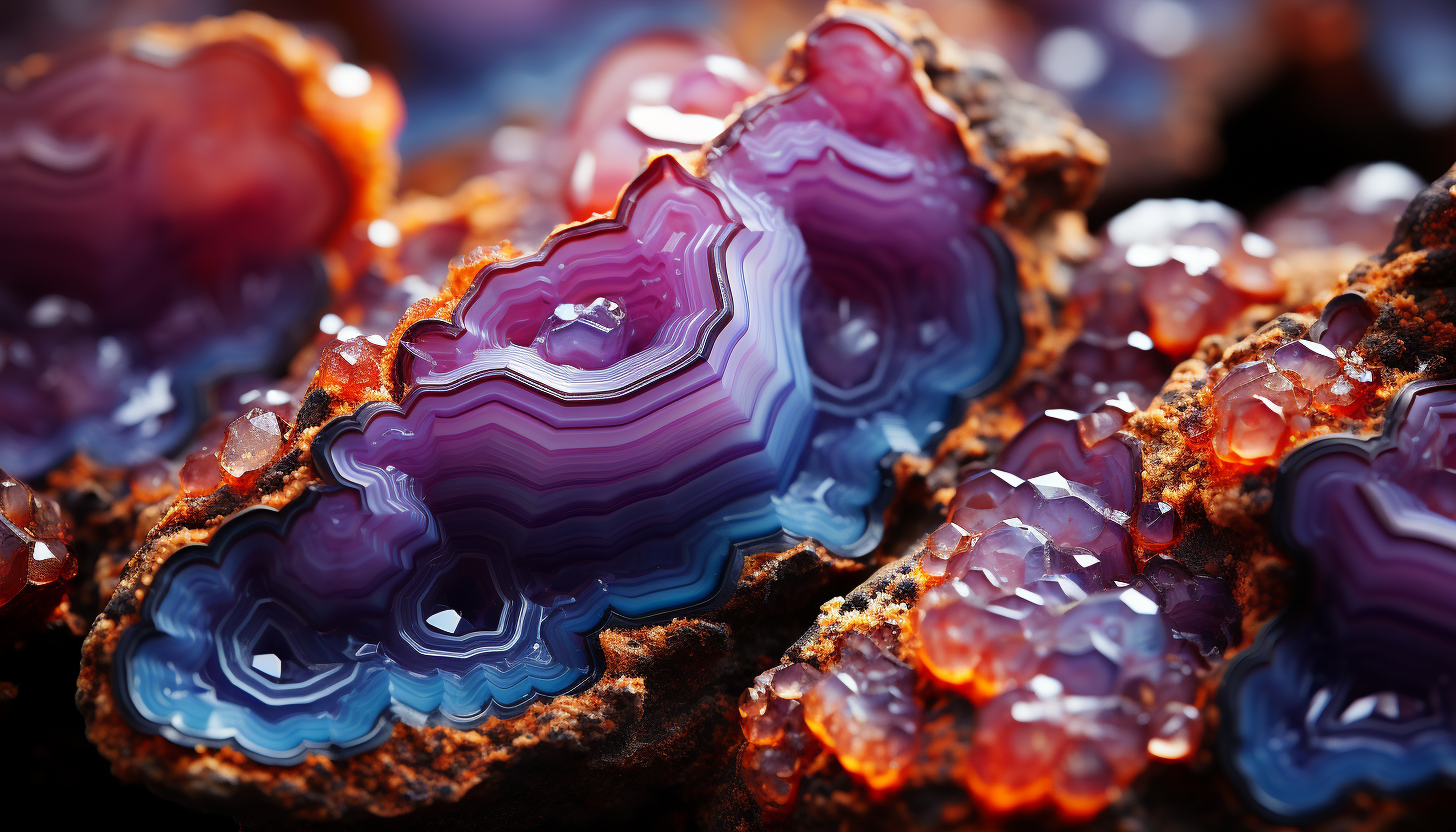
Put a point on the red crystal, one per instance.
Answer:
(351, 367)
(200, 474)
(33, 541)
(1262, 405)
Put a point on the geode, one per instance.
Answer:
(500, 555)
(179, 204)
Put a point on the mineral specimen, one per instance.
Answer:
(601, 430)
(602, 434)
(166, 206)
(1360, 208)
(1083, 669)
(1351, 689)
(1170, 272)
(35, 556)
(1176, 270)
(656, 92)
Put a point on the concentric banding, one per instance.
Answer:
(1351, 686)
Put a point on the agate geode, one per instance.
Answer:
(164, 205)
(1351, 687)
(603, 429)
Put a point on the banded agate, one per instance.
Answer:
(1350, 688)
(603, 429)
(910, 307)
(160, 208)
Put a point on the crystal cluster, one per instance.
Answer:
(1170, 273)
(35, 560)
(1351, 687)
(1083, 669)
(863, 709)
(602, 429)
(1262, 405)
(164, 207)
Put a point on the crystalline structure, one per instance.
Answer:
(863, 710)
(879, 186)
(601, 429)
(1095, 368)
(1360, 207)
(1174, 270)
(1350, 688)
(35, 560)
(162, 208)
(1261, 406)
(1083, 669)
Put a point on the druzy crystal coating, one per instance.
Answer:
(159, 214)
(1351, 687)
(603, 428)
(1082, 668)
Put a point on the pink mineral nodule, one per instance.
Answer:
(168, 194)
(201, 473)
(660, 91)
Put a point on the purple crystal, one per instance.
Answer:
(1344, 321)
(588, 336)
(1350, 687)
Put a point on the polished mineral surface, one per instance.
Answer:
(1351, 688)
(601, 430)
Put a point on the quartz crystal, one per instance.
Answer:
(1350, 688)
(1176, 270)
(1261, 406)
(1083, 669)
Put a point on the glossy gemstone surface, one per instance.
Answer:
(1082, 668)
(1350, 688)
(602, 429)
